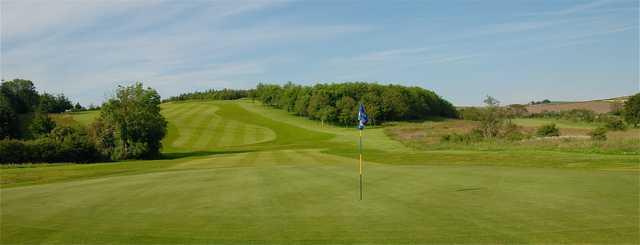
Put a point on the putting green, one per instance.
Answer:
(285, 180)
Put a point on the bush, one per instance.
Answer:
(512, 132)
(615, 124)
(13, 151)
(473, 136)
(599, 134)
(64, 144)
(548, 130)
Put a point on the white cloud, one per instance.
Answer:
(80, 46)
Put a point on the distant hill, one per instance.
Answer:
(598, 106)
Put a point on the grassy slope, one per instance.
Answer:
(240, 189)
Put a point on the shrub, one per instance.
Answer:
(599, 134)
(548, 130)
(512, 132)
(64, 144)
(13, 151)
(615, 124)
(473, 136)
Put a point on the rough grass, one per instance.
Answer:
(83, 117)
(300, 187)
(574, 137)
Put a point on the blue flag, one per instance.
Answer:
(362, 117)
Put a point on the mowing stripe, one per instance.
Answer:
(169, 109)
(240, 132)
(226, 136)
(221, 126)
(209, 132)
(198, 126)
(175, 119)
(177, 111)
(250, 136)
(260, 134)
(282, 156)
(185, 132)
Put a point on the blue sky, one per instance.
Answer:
(516, 50)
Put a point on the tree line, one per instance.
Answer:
(211, 94)
(130, 126)
(338, 102)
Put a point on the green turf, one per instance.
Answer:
(240, 173)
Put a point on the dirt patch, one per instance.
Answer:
(596, 106)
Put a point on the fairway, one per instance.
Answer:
(240, 173)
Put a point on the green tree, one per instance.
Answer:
(317, 101)
(134, 113)
(632, 110)
(326, 113)
(373, 106)
(8, 119)
(41, 125)
(287, 99)
(54, 104)
(22, 95)
(347, 110)
(78, 107)
(302, 104)
(393, 104)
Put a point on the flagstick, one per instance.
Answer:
(360, 164)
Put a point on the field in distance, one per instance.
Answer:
(237, 172)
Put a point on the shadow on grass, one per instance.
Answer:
(177, 155)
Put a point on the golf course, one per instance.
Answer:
(239, 172)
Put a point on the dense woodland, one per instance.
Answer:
(338, 102)
(212, 94)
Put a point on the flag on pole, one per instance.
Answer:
(362, 117)
(362, 120)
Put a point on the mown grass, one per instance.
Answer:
(301, 187)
